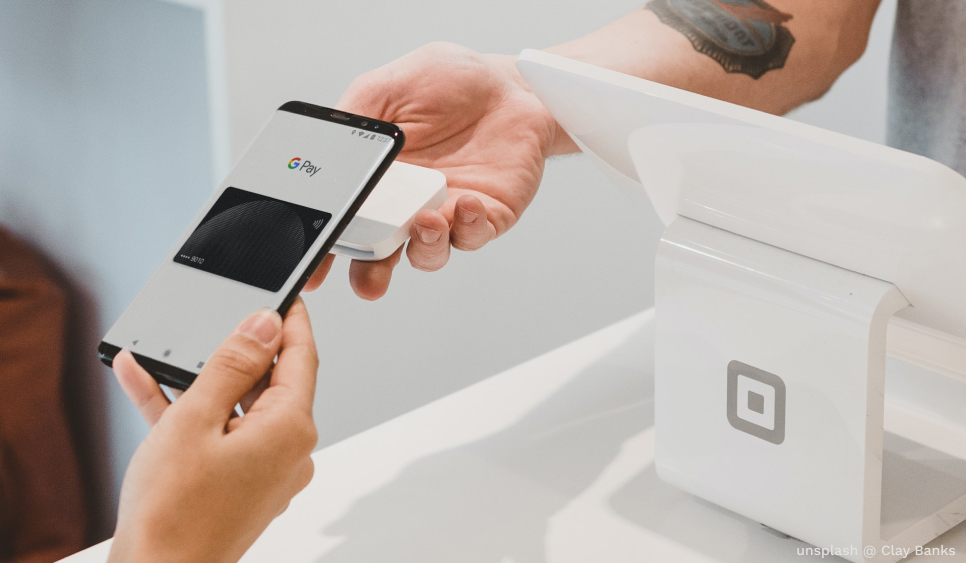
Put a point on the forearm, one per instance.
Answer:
(666, 44)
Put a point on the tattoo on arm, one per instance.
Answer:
(745, 36)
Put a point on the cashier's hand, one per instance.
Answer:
(204, 484)
(473, 118)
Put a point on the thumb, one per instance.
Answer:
(236, 366)
(367, 95)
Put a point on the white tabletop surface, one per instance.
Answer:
(550, 461)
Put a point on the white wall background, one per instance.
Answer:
(109, 139)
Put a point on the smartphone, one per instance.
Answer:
(257, 240)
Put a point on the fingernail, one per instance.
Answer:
(465, 215)
(262, 325)
(429, 236)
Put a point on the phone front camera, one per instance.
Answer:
(376, 127)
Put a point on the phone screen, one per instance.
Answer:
(253, 242)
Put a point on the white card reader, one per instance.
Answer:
(384, 221)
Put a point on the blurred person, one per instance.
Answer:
(42, 510)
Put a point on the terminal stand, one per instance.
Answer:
(770, 395)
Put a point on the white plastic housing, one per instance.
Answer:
(736, 319)
(383, 222)
(858, 205)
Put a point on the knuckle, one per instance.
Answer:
(470, 242)
(439, 47)
(305, 473)
(427, 263)
(307, 435)
(468, 245)
(237, 360)
(283, 509)
(305, 355)
(313, 360)
(300, 436)
(365, 80)
(471, 237)
(427, 266)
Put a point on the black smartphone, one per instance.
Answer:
(257, 240)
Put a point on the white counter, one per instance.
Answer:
(551, 461)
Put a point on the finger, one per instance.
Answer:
(283, 509)
(140, 387)
(302, 476)
(318, 276)
(298, 363)
(366, 94)
(304, 473)
(470, 229)
(370, 280)
(428, 247)
(252, 395)
(235, 367)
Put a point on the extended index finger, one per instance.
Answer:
(298, 362)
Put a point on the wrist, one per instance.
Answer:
(558, 142)
(128, 547)
(141, 546)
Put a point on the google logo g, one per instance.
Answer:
(307, 166)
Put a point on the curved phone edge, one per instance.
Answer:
(161, 372)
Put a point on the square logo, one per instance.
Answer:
(756, 402)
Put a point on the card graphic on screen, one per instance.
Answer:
(252, 239)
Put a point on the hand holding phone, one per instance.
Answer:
(232, 475)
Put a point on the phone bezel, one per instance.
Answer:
(179, 378)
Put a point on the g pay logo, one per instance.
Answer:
(307, 166)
